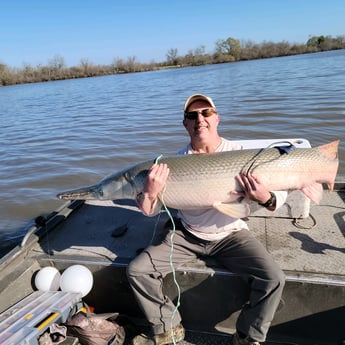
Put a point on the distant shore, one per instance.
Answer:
(228, 50)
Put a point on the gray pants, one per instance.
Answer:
(240, 252)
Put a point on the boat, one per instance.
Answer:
(306, 240)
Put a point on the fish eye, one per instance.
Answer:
(127, 177)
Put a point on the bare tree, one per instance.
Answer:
(172, 58)
(57, 62)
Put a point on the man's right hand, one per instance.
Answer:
(154, 184)
(156, 180)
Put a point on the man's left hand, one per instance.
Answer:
(253, 188)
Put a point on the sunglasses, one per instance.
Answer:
(193, 115)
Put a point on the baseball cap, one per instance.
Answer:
(198, 97)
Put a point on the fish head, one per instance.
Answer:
(121, 185)
(112, 187)
(125, 184)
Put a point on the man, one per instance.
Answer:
(206, 232)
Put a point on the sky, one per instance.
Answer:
(34, 32)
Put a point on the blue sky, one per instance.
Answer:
(35, 31)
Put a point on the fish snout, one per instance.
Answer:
(86, 193)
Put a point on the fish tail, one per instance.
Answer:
(330, 150)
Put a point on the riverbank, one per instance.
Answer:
(57, 70)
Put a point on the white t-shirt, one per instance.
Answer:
(210, 224)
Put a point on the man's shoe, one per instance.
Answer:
(237, 340)
(176, 334)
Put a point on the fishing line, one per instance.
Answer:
(173, 231)
(282, 150)
(159, 215)
(157, 159)
(297, 223)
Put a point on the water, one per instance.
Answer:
(65, 134)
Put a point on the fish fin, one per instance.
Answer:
(314, 192)
(235, 210)
(330, 150)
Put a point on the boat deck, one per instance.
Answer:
(309, 250)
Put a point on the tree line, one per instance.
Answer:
(226, 50)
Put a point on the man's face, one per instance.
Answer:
(202, 126)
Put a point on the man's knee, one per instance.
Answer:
(278, 277)
(136, 267)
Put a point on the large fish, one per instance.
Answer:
(207, 180)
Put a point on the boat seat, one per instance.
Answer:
(25, 321)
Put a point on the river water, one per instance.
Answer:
(60, 135)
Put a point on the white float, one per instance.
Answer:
(47, 279)
(77, 278)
